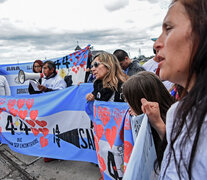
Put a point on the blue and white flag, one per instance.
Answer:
(73, 64)
(52, 124)
(136, 122)
(113, 137)
(142, 159)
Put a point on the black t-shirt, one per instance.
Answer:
(104, 94)
(31, 89)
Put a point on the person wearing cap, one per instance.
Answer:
(130, 67)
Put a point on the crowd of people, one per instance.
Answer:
(51, 81)
(178, 125)
(181, 59)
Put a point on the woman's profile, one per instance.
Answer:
(182, 53)
(109, 78)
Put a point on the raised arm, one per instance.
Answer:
(153, 112)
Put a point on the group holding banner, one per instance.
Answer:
(55, 125)
(73, 64)
(58, 125)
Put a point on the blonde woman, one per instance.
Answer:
(109, 78)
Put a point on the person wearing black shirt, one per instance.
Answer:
(109, 78)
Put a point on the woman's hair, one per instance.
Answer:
(194, 104)
(115, 73)
(147, 85)
(38, 62)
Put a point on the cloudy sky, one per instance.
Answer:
(45, 29)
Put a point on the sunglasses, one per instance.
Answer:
(96, 64)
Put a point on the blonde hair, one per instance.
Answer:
(115, 73)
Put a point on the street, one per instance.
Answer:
(15, 166)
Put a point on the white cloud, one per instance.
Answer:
(2, 1)
(112, 5)
(31, 29)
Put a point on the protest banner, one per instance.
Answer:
(73, 64)
(52, 124)
(113, 137)
(136, 122)
(142, 159)
(56, 125)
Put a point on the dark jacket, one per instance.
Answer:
(134, 68)
(104, 94)
(31, 89)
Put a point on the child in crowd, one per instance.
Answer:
(148, 85)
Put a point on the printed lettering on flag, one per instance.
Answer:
(53, 124)
(73, 64)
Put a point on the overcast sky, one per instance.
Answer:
(45, 29)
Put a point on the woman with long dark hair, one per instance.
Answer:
(182, 54)
(147, 85)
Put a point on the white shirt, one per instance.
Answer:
(199, 166)
(151, 66)
(54, 83)
(4, 87)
